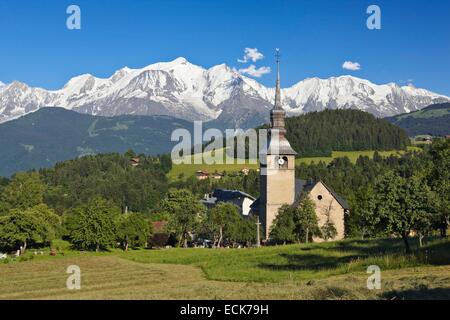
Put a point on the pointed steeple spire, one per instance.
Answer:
(279, 145)
(277, 104)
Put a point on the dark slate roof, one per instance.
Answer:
(225, 195)
(284, 147)
(255, 205)
(338, 198)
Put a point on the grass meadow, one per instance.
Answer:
(187, 170)
(335, 270)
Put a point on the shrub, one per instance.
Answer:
(158, 240)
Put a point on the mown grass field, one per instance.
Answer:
(188, 170)
(317, 271)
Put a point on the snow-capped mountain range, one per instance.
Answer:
(218, 94)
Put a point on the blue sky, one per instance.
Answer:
(316, 37)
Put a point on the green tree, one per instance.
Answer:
(439, 181)
(328, 230)
(93, 225)
(400, 204)
(24, 191)
(186, 213)
(247, 230)
(306, 225)
(133, 230)
(357, 223)
(296, 223)
(283, 227)
(225, 222)
(36, 225)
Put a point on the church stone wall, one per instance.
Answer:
(327, 204)
(278, 188)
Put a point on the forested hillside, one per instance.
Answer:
(433, 120)
(320, 133)
(40, 139)
(81, 200)
(110, 176)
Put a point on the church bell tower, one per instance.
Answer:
(277, 172)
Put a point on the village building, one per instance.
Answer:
(134, 162)
(217, 176)
(201, 175)
(241, 199)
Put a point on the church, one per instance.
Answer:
(278, 185)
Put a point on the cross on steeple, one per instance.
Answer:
(277, 104)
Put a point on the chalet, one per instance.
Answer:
(217, 176)
(241, 199)
(201, 175)
(134, 162)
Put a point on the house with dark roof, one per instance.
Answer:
(241, 199)
(201, 175)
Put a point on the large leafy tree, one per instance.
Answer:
(224, 221)
(402, 205)
(283, 227)
(306, 225)
(363, 204)
(92, 226)
(296, 223)
(440, 182)
(36, 225)
(133, 230)
(185, 214)
(247, 230)
(24, 191)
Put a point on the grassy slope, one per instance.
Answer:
(115, 278)
(298, 262)
(433, 120)
(189, 169)
(317, 271)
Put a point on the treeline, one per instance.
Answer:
(433, 120)
(93, 202)
(320, 133)
(110, 200)
(110, 176)
(389, 196)
(97, 202)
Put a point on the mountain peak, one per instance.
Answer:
(18, 84)
(181, 89)
(179, 60)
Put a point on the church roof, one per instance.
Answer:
(284, 147)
